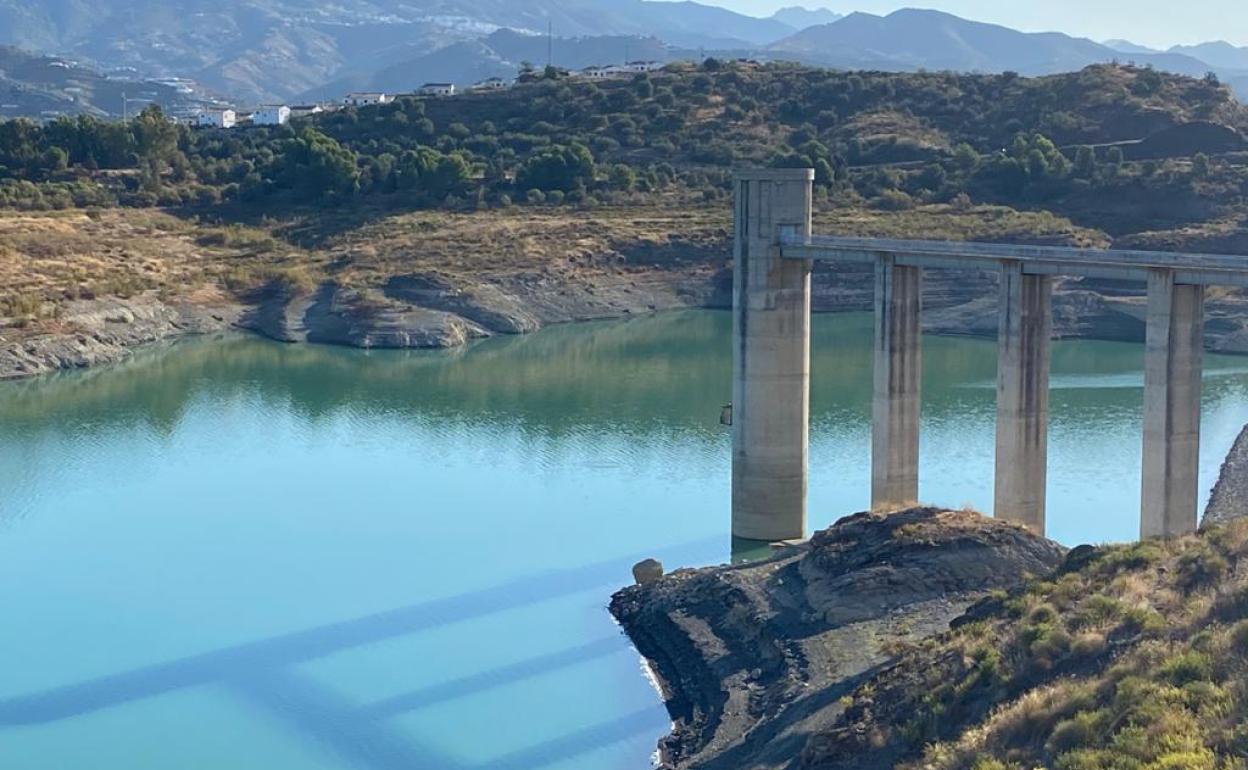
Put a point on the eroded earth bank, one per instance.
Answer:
(84, 287)
(946, 641)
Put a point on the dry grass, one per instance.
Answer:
(49, 258)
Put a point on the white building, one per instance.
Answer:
(215, 119)
(492, 84)
(437, 89)
(271, 115)
(643, 66)
(602, 73)
(365, 98)
(303, 110)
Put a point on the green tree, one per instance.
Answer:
(623, 177)
(1200, 166)
(562, 168)
(1085, 162)
(315, 166)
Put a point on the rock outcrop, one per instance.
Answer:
(753, 659)
(102, 331)
(1229, 500)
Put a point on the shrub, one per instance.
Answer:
(893, 200)
(1188, 666)
(1082, 730)
(1201, 567)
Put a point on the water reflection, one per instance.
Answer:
(374, 554)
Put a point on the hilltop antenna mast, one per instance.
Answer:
(550, 43)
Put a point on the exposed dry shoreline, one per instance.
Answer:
(97, 284)
(428, 311)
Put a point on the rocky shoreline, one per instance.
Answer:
(753, 660)
(430, 310)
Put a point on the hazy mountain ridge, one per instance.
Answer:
(912, 39)
(498, 55)
(31, 84)
(800, 18)
(270, 50)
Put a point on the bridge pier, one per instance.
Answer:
(1026, 324)
(771, 356)
(897, 382)
(1172, 390)
(773, 254)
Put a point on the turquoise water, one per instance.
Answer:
(234, 553)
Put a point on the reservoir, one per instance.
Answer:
(233, 553)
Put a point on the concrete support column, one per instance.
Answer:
(1172, 373)
(1026, 324)
(771, 356)
(898, 373)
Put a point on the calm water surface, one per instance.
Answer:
(234, 553)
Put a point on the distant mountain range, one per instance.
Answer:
(269, 50)
(800, 18)
(1219, 54)
(912, 39)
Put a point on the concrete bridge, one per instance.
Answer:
(774, 252)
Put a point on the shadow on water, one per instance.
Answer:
(488, 680)
(262, 672)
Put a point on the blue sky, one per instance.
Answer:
(1149, 22)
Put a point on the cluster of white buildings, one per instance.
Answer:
(266, 115)
(611, 71)
(281, 114)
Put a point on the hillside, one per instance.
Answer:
(500, 54)
(258, 50)
(1128, 657)
(47, 86)
(882, 140)
(265, 50)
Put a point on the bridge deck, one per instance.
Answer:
(1194, 269)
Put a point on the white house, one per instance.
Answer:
(303, 110)
(365, 98)
(437, 89)
(643, 66)
(491, 84)
(215, 119)
(271, 115)
(601, 73)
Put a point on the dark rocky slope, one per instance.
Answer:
(1128, 657)
(1229, 500)
(754, 659)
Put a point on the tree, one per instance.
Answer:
(562, 168)
(623, 177)
(316, 166)
(965, 158)
(1200, 166)
(1114, 160)
(1085, 162)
